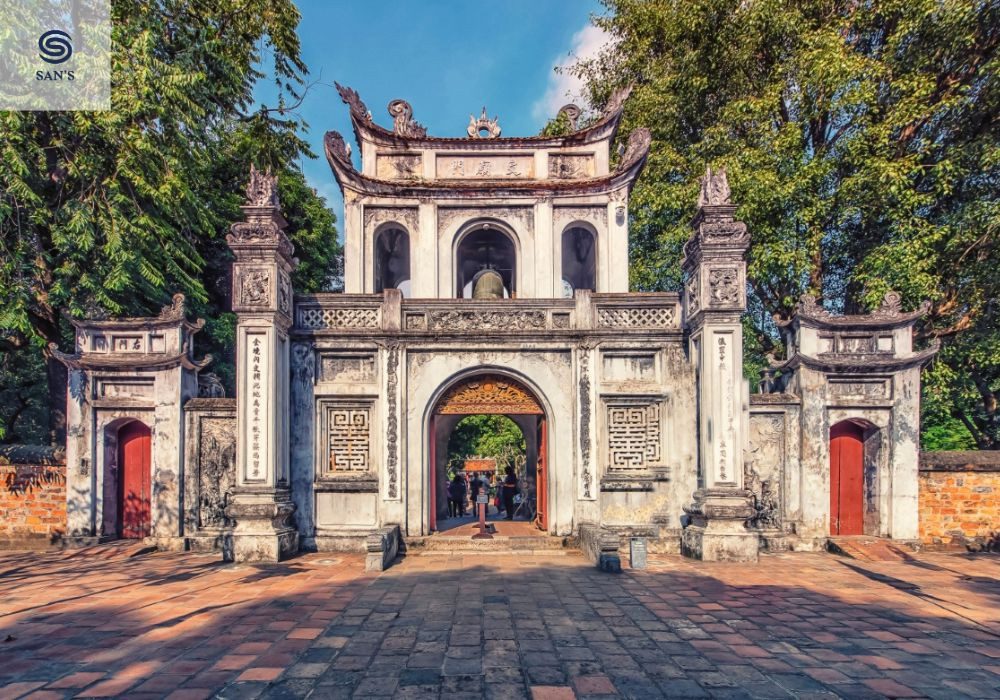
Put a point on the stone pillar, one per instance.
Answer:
(714, 302)
(262, 300)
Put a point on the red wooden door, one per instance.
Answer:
(846, 480)
(542, 479)
(135, 476)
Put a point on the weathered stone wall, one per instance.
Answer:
(32, 497)
(960, 499)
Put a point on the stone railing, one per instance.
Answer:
(608, 313)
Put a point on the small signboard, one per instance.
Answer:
(482, 499)
(637, 552)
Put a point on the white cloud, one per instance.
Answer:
(564, 87)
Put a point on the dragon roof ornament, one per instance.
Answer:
(477, 127)
(617, 100)
(352, 99)
(403, 123)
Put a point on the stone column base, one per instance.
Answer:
(263, 531)
(717, 528)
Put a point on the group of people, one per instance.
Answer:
(463, 489)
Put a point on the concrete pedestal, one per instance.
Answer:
(263, 530)
(717, 530)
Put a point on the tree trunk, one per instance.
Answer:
(57, 378)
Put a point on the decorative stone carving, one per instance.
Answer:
(253, 232)
(571, 113)
(353, 100)
(284, 294)
(691, 289)
(570, 165)
(262, 189)
(636, 317)
(348, 438)
(347, 317)
(398, 166)
(407, 217)
(255, 288)
(595, 215)
(484, 127)
(402, 120)
(723, 286)
(216, 470)
(586, 478)
(764, 499)
(714, 188)
(519, 218)
(633, 435)
(487, 320)
(347, 368)
(303, 363)
(859, 388)
(491, 394)
(173, 311)
(392, 423)
(209, 386)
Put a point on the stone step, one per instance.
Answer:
(443, 544)
(868, 548)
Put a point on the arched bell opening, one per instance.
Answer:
(486, 255)
(392, 260)
(579, 259)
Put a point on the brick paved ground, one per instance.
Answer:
(798, 625)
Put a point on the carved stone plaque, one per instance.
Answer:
(485, 167)
(571, 165)
(347, 368)
(860, 388)
(216, 470)
(405, 166)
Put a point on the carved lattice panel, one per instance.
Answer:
(348, 438)
(319, 319)
(642, 317)
(633, 436)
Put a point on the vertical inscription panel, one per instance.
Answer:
(256, 436)
(724, 412)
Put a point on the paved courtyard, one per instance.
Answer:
(796, 625)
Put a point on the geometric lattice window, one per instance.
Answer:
(348, 437)
(633, 435)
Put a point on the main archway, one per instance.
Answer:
(492, 393)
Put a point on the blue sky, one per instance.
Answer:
(447, 58)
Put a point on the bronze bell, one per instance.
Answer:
(489, 285)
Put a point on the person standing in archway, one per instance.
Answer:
(456, 496)
(509, 491)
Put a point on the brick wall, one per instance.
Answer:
(960, 499)
(32, 498)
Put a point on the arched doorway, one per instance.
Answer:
(134, 468)
(492, 394)
(847, 479)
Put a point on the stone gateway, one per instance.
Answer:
(489, 275)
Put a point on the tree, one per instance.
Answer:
(486, 436)
(112, 212)
(861, 143)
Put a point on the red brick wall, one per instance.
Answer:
(32, 504)
(960, 499)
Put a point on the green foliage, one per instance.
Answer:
(486, 436)
(113, 212)
(861, 145)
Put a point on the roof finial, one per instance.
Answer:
(484, 127)
(714, 188)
